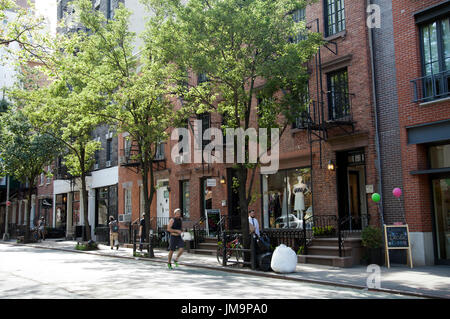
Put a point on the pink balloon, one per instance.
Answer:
(397, 192)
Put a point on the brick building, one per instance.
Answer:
(333, 176)
(422, 53)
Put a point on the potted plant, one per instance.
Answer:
(372, 240)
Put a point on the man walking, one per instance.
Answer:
(174, 228)
(113, 232)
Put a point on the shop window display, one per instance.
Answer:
(287, 198)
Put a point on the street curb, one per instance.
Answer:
(247, 272)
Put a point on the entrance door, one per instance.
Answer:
(234, 221)
(351, 188)
(162, 203)
(441, 198)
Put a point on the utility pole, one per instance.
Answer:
(6, 235)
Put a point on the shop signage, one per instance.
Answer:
(211, 182)
(47, 202)
(397, 237)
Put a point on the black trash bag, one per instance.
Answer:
(264, 261)
(263, 244)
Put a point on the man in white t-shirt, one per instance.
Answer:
(253, 222)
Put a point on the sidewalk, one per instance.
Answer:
(427, 281)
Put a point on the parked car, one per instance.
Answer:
(294, 222)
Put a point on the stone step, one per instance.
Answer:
(343, 262)
(203, 252)
(329, 251)
(209, 246)
(348, 242)
(210, 240)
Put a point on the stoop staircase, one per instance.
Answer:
(208, 247)
(325, 251)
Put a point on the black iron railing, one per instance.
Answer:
(349, 225)
(199, 229)
(431, 87)
(339, 106)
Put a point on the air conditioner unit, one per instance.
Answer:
(108, 163)
(122, 159)
(125, 218)
(96, 166)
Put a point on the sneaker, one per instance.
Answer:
(112, 248)
(117, 247)
(176, 263)
(169, 265)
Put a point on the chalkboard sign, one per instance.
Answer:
(397, 237)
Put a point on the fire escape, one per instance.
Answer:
(316, 119)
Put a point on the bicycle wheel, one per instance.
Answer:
(238, 253)
(220, 255)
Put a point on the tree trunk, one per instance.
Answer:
(243, 206)
(84, 198)
(28, 212)
(144, 174)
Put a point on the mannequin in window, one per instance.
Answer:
(299, 196)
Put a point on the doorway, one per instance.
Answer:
(351, 194)
(234, 221)
(441, 203)
(162, 203)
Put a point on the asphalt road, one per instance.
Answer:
(27, 272)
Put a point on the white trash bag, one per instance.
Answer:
(284, 260)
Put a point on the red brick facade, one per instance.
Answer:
(353, 54)
(418, 197)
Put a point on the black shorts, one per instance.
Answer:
(175, 242)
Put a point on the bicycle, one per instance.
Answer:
(233, 249)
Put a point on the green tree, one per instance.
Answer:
(235, 44)
(130, 90)
(56, 95)
(24, 151)
(25, 28)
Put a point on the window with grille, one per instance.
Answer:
(435, 43)
(298, 15)
(127, 199)
(338, 95)
(334, 16)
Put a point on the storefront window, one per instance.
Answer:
(61, 209)
(440, 156)
(106, 198)
(441, 196)
(286, 198)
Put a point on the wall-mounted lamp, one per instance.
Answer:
(331, 166)
(168, 188)
(222, 180)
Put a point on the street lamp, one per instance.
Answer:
(331, 166)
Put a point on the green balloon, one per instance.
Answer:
(376, 197)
